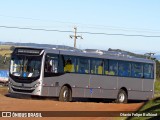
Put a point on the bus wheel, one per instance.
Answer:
(65, 94)
(122, 97)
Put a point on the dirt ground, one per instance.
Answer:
(14, 102)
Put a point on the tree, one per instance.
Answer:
(12, 48)
(157, 69)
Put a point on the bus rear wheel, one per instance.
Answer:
(65, 94)
(122, 97)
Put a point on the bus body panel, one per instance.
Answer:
(77, 81)
(140, 95)
(82, 85)
(102, 86)
(148, 85)
(106, 86)
(134, 84)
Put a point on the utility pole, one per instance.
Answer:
(75, 36)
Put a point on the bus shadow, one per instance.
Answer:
(97, 100)
(92, 100)
(22, 96)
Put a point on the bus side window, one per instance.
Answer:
(69, 64)
(137, 70)
(148, 71)
(113, 67)
(106, 71)
(83, 65)
(96, 66)
(51, 63)
(124, 68)
(47, 66)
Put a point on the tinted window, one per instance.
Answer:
(25, 66)
(124, 69)
(106, 67)
(113, 67)
(137, 70)
(148, 71)
(51, 63)
(82, 65)
(69, 64)
(96, 66)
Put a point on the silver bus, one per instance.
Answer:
(68, 74)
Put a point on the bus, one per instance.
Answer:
(68, 74)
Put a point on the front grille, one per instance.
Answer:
(23, 80)
(20, 90)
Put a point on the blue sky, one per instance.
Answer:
(107, 16)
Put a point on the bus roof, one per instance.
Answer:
(115, 55)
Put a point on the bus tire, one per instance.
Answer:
(65, 94)
(122, 96)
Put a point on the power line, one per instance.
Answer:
(117, 34)
(88, 25)
(125, 29)
(95, 33)
(38, 29)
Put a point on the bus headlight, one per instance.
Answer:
(37, 84)
(9, 82)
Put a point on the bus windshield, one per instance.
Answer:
(25, 66)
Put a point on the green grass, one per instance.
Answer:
(5, 46)
(3, 52)
(157, 88)
(5, 49)
(152, 106)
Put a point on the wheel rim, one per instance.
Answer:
(65, 94)
(121, 97)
